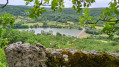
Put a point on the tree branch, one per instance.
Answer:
(5, 4)
(43, 4)
(105, 21)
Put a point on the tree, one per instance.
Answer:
(5, 20)
(109, 17)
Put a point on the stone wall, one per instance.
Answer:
(26, 55)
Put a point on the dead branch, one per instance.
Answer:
(5, 4)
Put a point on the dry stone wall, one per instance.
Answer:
(26, 55)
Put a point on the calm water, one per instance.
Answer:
(67, 32)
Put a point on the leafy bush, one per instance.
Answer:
(95, 32)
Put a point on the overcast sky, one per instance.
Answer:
(98, 3)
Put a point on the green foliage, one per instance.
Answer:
(110, 14)
(5, 20)
(92, 31)
(77, 4)
(37, 10)
(109, 17)
(55, 5)
(46, 33)
(3, 62)
(19, 26)
(58, 34)
(86, 18)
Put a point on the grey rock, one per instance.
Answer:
(25, 55)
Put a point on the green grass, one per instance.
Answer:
(3, 62)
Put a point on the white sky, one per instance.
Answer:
(99, 3)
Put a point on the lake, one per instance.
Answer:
(67, 32)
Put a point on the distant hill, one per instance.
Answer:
(67, 15)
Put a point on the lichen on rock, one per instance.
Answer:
(77, 58)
